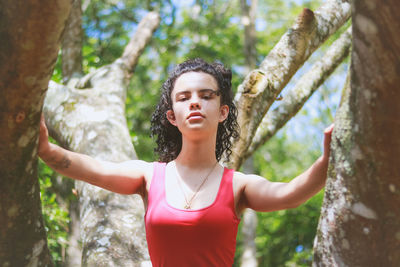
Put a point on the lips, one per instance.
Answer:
(195, 115)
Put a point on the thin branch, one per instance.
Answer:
(120, 70)
(140, 39)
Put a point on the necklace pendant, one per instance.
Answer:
(187, 207)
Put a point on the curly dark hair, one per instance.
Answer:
(169, 138)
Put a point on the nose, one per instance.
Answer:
(194, 105)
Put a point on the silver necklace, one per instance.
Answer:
(178, 178)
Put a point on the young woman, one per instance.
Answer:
(193, 204)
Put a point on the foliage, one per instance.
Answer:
(186, 36)
(287, 235)
(212, 30)
(56, 218)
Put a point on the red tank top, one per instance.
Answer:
(180, 238)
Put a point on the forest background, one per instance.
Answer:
(213, 30)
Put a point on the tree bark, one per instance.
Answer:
(92, 121)
(249, 222)
(261, 87)
(249, 13)
(360, 219)
(72, 44)
(30, 33)
(71, 65)
(295, 99)
(74, 250)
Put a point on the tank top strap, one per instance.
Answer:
(157, 182)
(226, 189)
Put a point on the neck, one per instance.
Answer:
(197, 154)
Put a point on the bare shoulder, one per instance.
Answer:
(138, 168)
(240, 181)
(239, 178)
(248, 188)
(137, 164)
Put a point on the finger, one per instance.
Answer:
(43, 127)
(42, 120)
(329, 129)
(328, 139)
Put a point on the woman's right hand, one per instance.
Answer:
(44, 144)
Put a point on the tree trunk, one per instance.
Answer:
(249, 222)
(92, 121)
(71, 65)
(249, 13)
(30, 34)
(249, 227)
(360, 219)
(72, 44)
(74, 250)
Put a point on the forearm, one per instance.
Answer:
(262, 195)
(309, 182)
(74, 165)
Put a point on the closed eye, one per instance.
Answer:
(182, 97)
(208, 94)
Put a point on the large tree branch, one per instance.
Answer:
(93, 122)
(30, 33)
(261, 87)
(305, 87)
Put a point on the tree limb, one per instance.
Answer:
(93, 122)
(306, 86)
(122, 68)
(140, 39)
(261, 87)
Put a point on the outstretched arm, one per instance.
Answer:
(124, 178)
(262, 195)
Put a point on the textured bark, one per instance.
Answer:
(249, 227)
(360, 219)
(92, 122)
(249, 222)
(262, 86)
(74, 250)
(249, 13)
(72, 44)
(295, 99)
(62, 188)
(30, 34)
(71, 64)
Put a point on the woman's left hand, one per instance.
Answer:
(327, 141)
